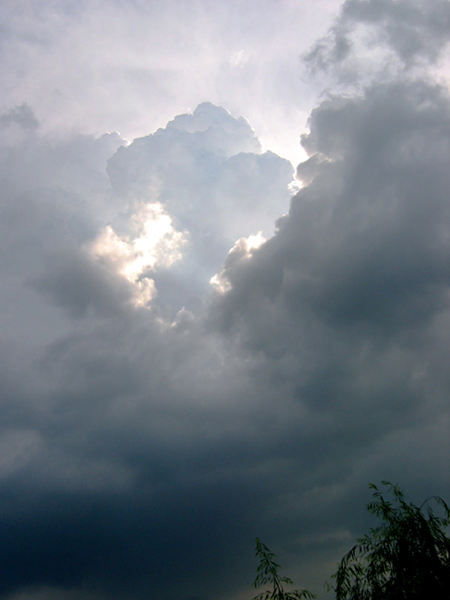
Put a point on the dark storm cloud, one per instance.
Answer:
(142, 448)
(347, 305)
(413, 31)
(359, 269)
(116, 477)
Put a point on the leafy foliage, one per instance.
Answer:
(268, 574)
(406, 558)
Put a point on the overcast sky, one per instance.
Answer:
(197, 349)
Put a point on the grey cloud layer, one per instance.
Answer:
(143, 447)
(356, 278)
(113, 459)
(375, 38)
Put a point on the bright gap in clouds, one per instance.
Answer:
(134, 65)
(155, 244)
(212, 184)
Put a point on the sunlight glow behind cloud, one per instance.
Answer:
(155, 243)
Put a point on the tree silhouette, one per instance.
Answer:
(268, 573)
(406, 558)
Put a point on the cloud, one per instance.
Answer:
(134, 65)
(157, 244)
(345, 305)
(359, 267)
(109, 409)
(154, 422)
(373, 38)
(22, 115)
(207, 172)
(16, 124)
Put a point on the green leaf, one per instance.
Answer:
(267, 572)
(406, 557)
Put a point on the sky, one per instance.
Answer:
(197, 347)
